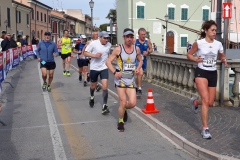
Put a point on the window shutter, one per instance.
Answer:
(171, 13)
(19, 17)
(184, 14)
(183, 41)
(140, 11)
(205, 14)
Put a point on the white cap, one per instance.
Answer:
(83, 36)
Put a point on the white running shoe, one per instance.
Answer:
(206, 134)
(194, 108)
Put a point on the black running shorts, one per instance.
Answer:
(94, 75)
(211, 76)
(48, 65)
(82, 62)
(64, 56)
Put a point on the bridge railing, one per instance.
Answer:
(176, 73)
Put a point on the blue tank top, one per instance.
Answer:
(142, 46)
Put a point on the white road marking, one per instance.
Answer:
(54, 132)
(61, 124)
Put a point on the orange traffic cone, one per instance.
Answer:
(150, 108)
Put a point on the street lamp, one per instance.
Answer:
(166, 19)
(6, 24)
(111, 27)
(91, 4)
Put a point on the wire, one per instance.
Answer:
(193, 12)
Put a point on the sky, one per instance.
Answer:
(100, 10)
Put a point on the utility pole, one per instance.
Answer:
(219, 20)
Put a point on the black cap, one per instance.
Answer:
(47, 33)
(4, 32)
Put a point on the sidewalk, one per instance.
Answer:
(176, 113)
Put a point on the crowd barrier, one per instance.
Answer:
(11, 58)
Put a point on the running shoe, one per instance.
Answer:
(139, 92)
(98, 88)
(206, 134)
(44, 86)
(88, 77)
(105, 109)
(49, 89)
(80, 77)
(68, 74)
(91, 102)
(85, 84)
(125, 118)
(64, 73)
(194, 108)
(121, 127)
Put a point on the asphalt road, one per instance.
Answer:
(61, 125)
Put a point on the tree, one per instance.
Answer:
(103, 27)
(114, 13)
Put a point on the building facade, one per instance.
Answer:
(88, 26)
(143, 13)
(7, 17)
(22, 20)
(40, 17)
(57, 24)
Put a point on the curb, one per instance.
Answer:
(172, 136)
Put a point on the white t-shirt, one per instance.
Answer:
(94, 47)
(209, 52)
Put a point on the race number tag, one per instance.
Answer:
(209, 61)
(129, 66)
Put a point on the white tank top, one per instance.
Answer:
(209, 52)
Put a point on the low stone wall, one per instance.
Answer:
(176, 73)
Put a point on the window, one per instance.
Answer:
(184, 14)
(8, 17)
(41, 16)
(171, 12)
(140, 8)
(140, 11)
(18, 17)
(205, 15)
(184, 38)
(27, 19)
(33, 14)
(37, 15)
(45, 18)
(49, 19)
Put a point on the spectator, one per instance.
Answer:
(13, 43)
(19, 41)
(154, 47)
(34, 40)
(6, 42)
(24, 41)
(2, 38)
(78, 41)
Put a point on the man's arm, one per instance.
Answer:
(55, 49)
(139, 58)
(75, 50)
(88, 50)
(112, 57)
(150, 49)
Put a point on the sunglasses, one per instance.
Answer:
(105, 37)
(129, 36)
(8, 35)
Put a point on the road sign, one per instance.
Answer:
(227, 10)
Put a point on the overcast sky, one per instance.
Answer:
(100, 10)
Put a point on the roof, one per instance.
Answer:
(21, 4)
(36, 1)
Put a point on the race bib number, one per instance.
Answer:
(129, 66)
(209, 62)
